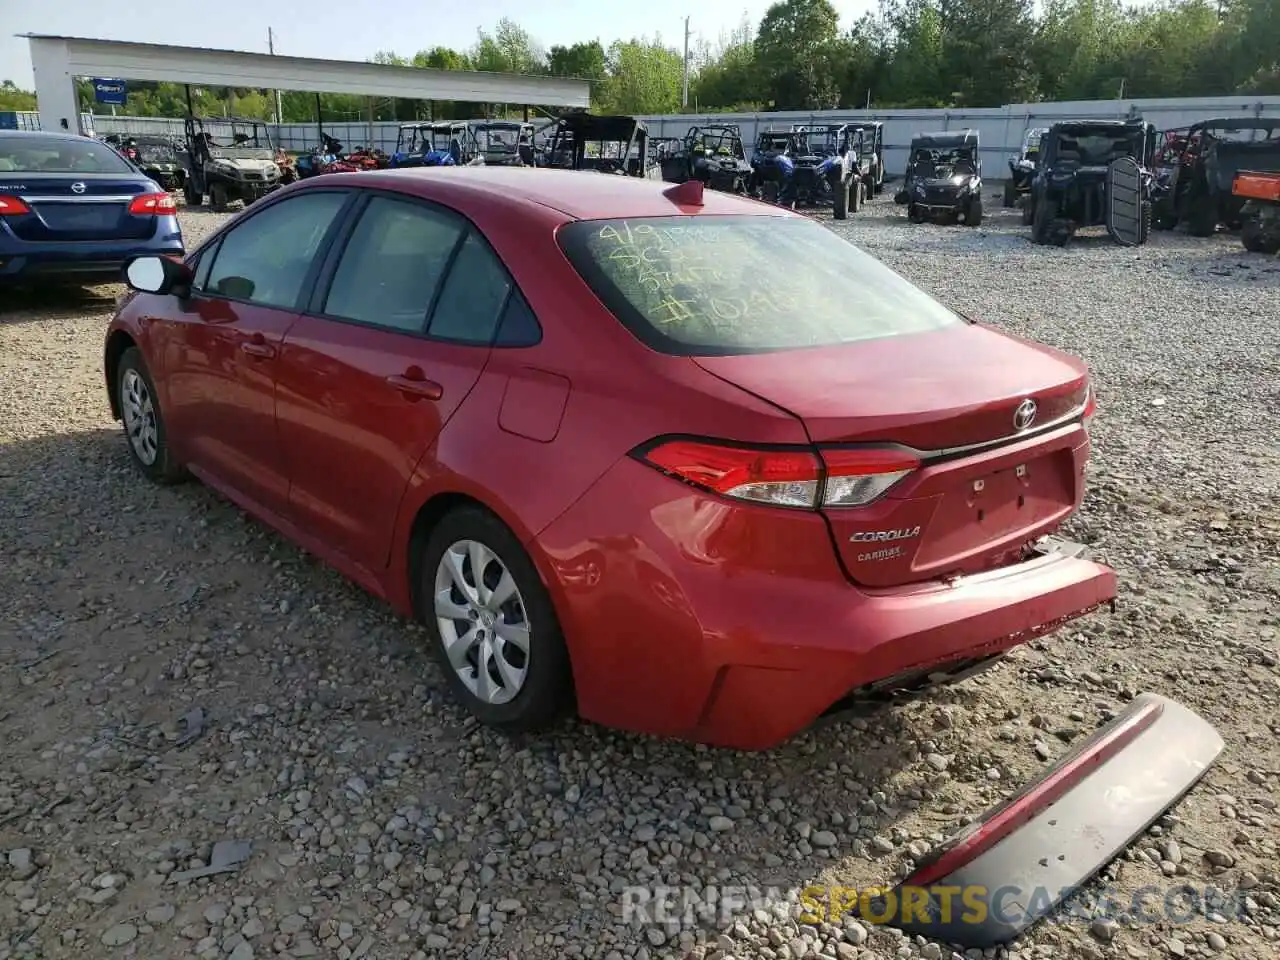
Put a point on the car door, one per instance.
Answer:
(398, 333)
(221, 352)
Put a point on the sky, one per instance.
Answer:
(356, 31)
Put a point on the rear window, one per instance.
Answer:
(56, 155)
(746, 284)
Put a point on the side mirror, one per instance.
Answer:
(162, 275)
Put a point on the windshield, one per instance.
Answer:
(1247, 135)
(500, 138)
(1095, 149)
(37, 154)
(744, 284)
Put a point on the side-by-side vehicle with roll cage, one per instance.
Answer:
(713, 154)
(1094, 173)
(242, 169)
(871, 153)
(943, 181)
(416, 146)
(1022, 170)
(1259, 194)
(604, 144)
(503, 143)
(772, 162)
(159, 157)
(1200, 183)
(845, 163)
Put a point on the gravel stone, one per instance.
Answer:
(386, 824)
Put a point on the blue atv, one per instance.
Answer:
(773, 164)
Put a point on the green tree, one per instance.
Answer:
(728, 77)
(583, 60)
(644, 77)
(13, 98)
(794, 49)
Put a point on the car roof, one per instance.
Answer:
(577, 194)
(48, 135)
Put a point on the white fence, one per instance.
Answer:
(999, 129)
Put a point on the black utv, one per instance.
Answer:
(158, 158)
(713, 154)
(1200, 182)
(1094, 173)
(617, 145)
(944, 178)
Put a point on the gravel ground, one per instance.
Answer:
(384, 823)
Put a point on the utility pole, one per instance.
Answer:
(271, 48)
(684, 95)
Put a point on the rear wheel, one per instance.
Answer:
(492, 624)
(858, 196)
(1202, 218)
(191, 194)
(1256, 239)
(914, 213)
(840, 205)
(1042, 217)
(1010, 193)
(769, 191)
(144, 426)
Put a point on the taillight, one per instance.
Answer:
(1090, 406)
(152, 204)
(858, 475)
(12, 206)
(784, 477)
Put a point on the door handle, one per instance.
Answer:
(416, 386)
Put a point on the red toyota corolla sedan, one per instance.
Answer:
(690, 464)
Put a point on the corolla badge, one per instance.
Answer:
(1025, 415)
(77, 188)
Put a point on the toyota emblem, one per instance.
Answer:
(1025, 415)
(77, 188)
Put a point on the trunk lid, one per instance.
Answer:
(67, 207)
(984, 489)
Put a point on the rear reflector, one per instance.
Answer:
(150, 204)
(786, 477)
(12, 206)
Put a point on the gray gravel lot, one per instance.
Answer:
(385, 824)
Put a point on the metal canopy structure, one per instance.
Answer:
(58, 61)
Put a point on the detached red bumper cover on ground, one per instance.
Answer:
(1020, 860)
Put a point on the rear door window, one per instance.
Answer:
(393, 264)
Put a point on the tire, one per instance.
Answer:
(1148, 214)
(1027, 211)
(544, 691)
(1010, 193)
(191, 194)
(973, 213)
(1041, 218)
(769, 191)
(914, 213)
(218, 196)
(1202, 218)
(1256, 240)
(857, 197)
(840, 205)
(144, 428)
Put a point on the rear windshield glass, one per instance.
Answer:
(55, 155)
(744, 284)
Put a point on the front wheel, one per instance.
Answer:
(973, 213)
(915, 214)
(144, 426)
(840, 206)
(1010, 193)
(492, 623)
(218, 196)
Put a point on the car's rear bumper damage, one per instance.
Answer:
(749, 653)
(1020, 860)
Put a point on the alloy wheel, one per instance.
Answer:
(140, 417)
(483, 622)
